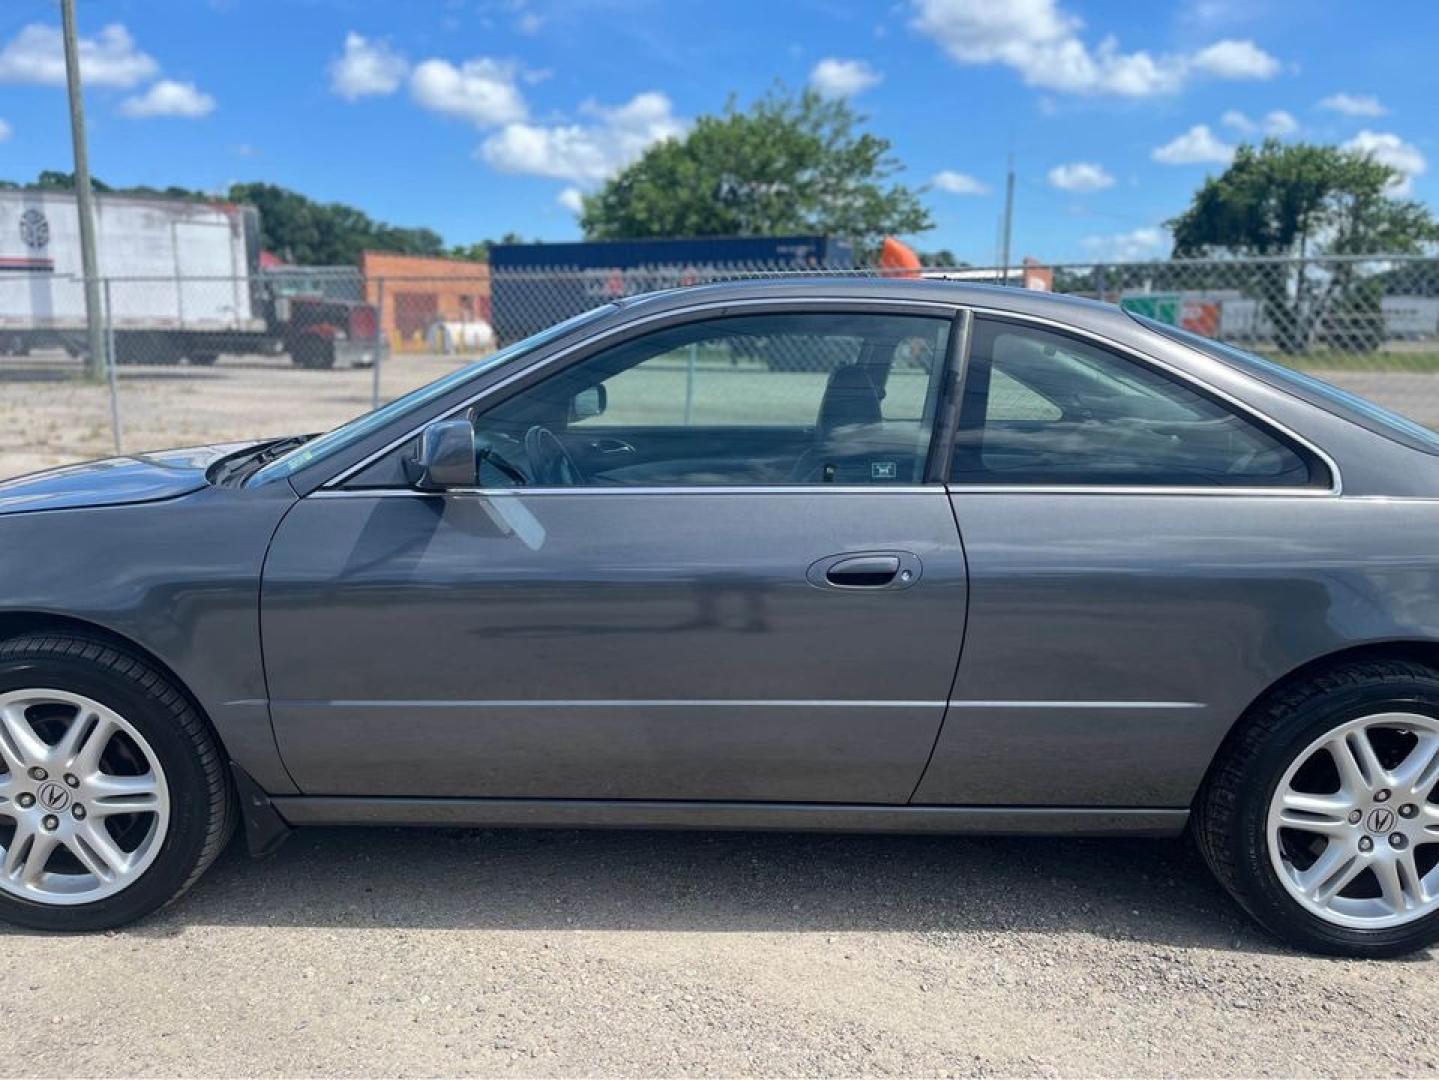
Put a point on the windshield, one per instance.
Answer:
(352, 432)
(1317, 392)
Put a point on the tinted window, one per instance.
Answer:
(1047, 408)
(1325, 395)
(811, 398)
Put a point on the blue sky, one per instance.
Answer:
(476, 117)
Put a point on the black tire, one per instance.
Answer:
(203, 812)
(1229, 822)
(203, 359)
(147, 347)
(314, 352)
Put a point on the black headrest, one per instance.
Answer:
(850, 397)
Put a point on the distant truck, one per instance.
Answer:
(535, 285)
(186, 285)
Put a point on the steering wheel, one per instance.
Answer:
(550, 463)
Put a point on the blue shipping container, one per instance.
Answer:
(535, 285)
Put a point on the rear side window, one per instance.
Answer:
(1043, 408)
(1357, 410)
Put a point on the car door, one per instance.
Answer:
(1137, 569)
(734, 583)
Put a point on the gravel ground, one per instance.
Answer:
(382, 952)
(50, 416)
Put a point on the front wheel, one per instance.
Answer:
(113, 793)
(1320, 816)
(314, 352)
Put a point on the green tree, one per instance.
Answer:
(54, 180)
(788, 164)
(943, 258)
(1299, 201)
(326, 234)
(480, 250)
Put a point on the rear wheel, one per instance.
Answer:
(113, 793)
(1321, 815)
(147, 347)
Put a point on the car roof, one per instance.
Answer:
(1065, 309)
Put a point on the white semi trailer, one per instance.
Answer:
(184, 283)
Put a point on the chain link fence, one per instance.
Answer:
(206, 359)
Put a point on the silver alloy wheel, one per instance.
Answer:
(81, 831)
(1361, 856)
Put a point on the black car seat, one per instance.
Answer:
(851, 397)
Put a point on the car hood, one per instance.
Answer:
(117, 481)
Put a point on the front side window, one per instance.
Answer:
(769, 399)
(1043, 408)
(350, 433)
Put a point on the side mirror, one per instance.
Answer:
(445, 458)
(588, 403)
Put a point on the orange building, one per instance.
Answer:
(420, 291)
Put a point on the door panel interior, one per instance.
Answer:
(656, 456)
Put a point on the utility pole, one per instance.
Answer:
(1008, 220)
(94, 317)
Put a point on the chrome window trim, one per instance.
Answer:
(848, 489)
(945, 308)
(1140, 489)
(591, 492)
(1336, 482)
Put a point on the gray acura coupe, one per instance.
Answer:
(874, 555)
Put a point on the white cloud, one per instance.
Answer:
(1233, 59)
(1275, 122)
(367, 67)
(169, 98)
(1204, 13)
(5, 131)
(481, 90)
(37, 55)
(1132, 246)
(958, 183)
(585, 153)
(529, 23)
(1041, 41)
(833, 77)
(572, 199)
(1196, 146)
(1353, 104)
(1239, 122)
(1080, 176)
(1279, 122)
(1389, 149)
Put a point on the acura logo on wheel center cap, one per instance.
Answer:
(53, 796)
(1381, 820)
